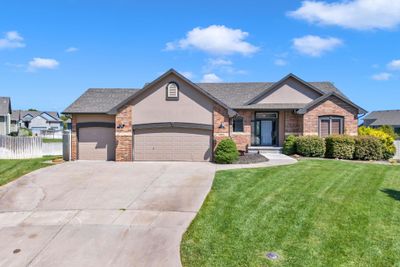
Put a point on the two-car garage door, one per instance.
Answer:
(175, 144)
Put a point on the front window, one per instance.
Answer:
(237, 124)
(329, 125)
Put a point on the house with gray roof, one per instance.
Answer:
(36, 121)
(5, 115)
(173, 118)
(383, 117)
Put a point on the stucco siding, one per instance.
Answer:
(192, 106)
(291, 91)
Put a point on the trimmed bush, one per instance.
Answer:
(387, 141)
(289, 147)
(310, 146)
(226, 152)
(339, 147)
(368, 148)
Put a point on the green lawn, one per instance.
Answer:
(11, 169)
(314, 213)
(50, 140)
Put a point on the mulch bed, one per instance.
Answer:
(250, 158)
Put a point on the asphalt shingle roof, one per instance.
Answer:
(383, 117)
(234, 95)
(20, 114)
(99, 100)
(5, 103)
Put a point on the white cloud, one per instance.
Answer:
(215, 39)
(383, 76)
(314, 45)
(211, 78)
(394, 64)
(219, 62)
(354, 14)
(187, 74)
(280, 62)
(43, 63)
(71, 49)
(12, 39)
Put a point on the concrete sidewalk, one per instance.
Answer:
(274, 159)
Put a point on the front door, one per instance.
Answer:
(266, 133)
(265, 129)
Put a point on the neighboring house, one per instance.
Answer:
(5, 115)
(173, 118)
(37, 121)
(383, 117)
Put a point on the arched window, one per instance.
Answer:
(329, 125)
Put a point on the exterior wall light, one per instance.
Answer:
(222, 126)
(120, 126)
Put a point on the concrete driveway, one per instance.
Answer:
(101, 213)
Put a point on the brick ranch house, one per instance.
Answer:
(173, 118)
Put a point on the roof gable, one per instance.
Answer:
(325, 97)
(281, 83)
(160, 78)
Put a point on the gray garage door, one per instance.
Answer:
(96, 143)
(172, 144)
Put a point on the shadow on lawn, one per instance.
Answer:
(392, 193)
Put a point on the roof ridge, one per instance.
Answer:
(385, 110)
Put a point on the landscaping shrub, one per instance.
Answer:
(387, 141)
(368, 148)
(289, 146)
(339, 147)
(310, 146)
(226, 151)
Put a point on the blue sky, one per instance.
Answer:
(51, 51)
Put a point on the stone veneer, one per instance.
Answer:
(124, 135)
(332, 106)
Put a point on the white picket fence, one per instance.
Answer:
(397, 144)
(27, 147)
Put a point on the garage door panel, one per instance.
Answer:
(96, 143)
(172, 144)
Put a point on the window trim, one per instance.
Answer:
(167, 97)
(233, 124)
(330, 118)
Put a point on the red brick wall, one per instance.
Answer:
(123, 136)
(220, 116)
(243, 140)
(331, 106)
(293, 123)
(74, 139)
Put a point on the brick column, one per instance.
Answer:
(123, 136)
(74, 139)
(220, 116)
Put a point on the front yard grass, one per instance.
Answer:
(50, 140)
(314, 213)
(11, 169)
